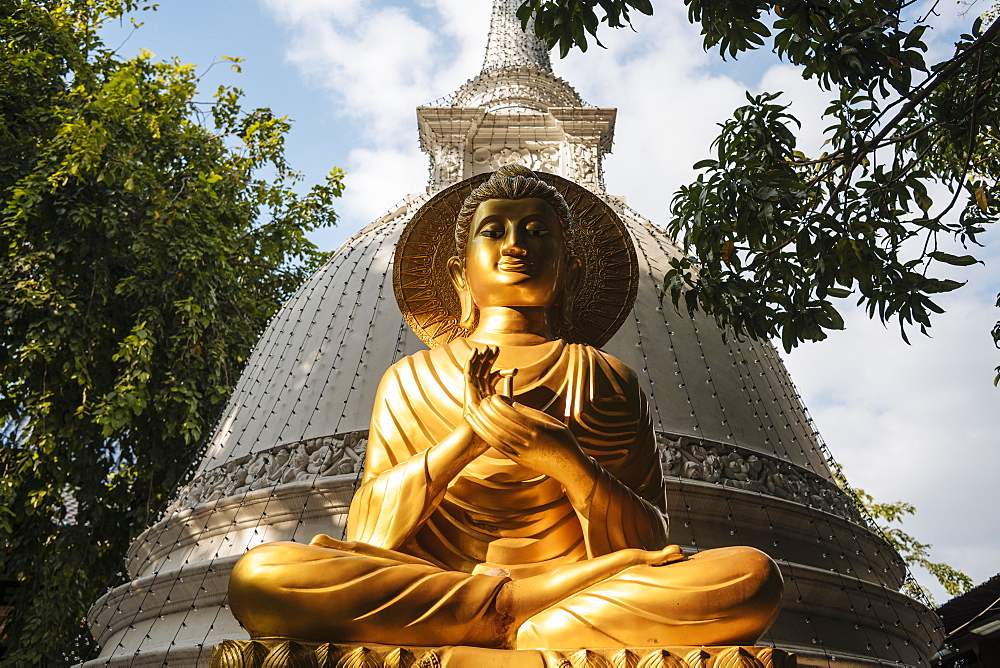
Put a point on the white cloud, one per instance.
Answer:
(379, 61)
(919, 423)
(345, 11)
(375, 176)
(372, 65)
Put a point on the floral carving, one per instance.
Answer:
(314, 458)
(286, 654)
(544, 158)
(733, 466)
(448, 165)
(585, 168)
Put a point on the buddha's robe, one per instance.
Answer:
(496, 513)
(424, 570)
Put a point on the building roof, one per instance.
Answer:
(972, 609)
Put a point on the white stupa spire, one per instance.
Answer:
(517, 70)
(515, 111)
(508, 46)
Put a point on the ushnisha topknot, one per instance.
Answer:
(512, 182)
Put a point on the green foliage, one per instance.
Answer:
(778, 234)
(777, 237)
(915, 553)
(144, 251)
(568, 22)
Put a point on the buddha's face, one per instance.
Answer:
(516, 254)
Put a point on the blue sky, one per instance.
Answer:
(919, 422)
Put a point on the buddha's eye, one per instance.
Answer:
(536, 229)
(491, 230)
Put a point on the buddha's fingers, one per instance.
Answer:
(519, 421)
(486, 430)
(480, 379)
(668, 555)
(538, 416)
(507, 380)
(504, 423)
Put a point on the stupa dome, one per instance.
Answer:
(742, 460)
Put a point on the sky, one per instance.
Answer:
(916, 422)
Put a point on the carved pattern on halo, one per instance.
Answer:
(680, 456)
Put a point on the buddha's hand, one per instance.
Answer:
(480, 378)
(480, 385)
(633, 557)
(535, 440)
(667, 555)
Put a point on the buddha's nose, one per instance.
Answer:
(513, 246)
(514, 250)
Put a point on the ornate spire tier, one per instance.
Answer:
(508, 46)
(515, 111)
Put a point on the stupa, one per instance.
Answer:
(743, 462)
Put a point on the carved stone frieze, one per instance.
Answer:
(733, 466)
(310, 459)
(586, 164)
(447, 166)
(543, 158)
(681, 457)
(292, 654)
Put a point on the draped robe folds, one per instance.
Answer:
(424, 570)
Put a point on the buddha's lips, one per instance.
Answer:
(511, 264)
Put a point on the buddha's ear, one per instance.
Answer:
(456, 271)
(574, 276)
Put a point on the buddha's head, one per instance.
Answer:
(514, 236)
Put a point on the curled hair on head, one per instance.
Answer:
(512, 182)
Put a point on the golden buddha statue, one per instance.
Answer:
(512, 495)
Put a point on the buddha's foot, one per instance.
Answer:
(282, 653)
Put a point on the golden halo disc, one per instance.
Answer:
(601, 303)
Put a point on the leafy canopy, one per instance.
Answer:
(776, 237)
(147, 238)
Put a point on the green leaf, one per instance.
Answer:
(942, 285)
(958, 260)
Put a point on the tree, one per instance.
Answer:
(777, 237)
(144, 251)
(916, 554)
